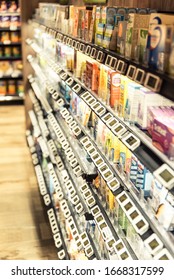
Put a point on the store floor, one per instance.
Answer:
(24, 230)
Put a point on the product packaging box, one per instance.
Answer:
(163, 134)
(102, 87)
(133, 169)
(107, 35)
(92, 75)
(123, 94)
(131, 108)
(114, 81)
(92, 28)
(144, 179)
(78, 18)
(121, 37)
(88, 18)
(135, 22)
(152, 113)
(142, 42)
(160, 46)
(146, 99)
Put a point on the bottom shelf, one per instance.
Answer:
(11, 100)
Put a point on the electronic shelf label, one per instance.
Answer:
(47, 199)
(93, 53)
(77, 88)
(131, 72)
(165, 175)
(60, 102)
(153, 244)
(90, 201)
(100, 56)
(89, 252)
(121, 67)
(113, 184)
(107, 117)
(74, 43)
(64, 76)
(153, 82)
(88, 50)
(82, 47)
(67, 40)
(84, 188)
(77, 171)
(77, 131)
(106, 172)
(70, 81)
(55, 95)
(163, 255)
(113, 63)
(61, 254)
(73, 162)
(77, 46)
(79, 208)
(131, 141)
(95, 210)
(119, 130)
(139, 76)
(110, 244)
(75, 199)
(64, 39)
(108, 60)
(112, 123)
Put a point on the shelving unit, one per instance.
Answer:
(50, 105)
(11, 53)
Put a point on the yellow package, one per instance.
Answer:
(128, 160)
(123, 94)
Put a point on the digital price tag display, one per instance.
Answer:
(110, 244)
(134, 214)
(140, 225)
(124, 256)
(61, 255)
(73, 163)
(88, 145)
(139, 76)
(70, 156)
(60, 195)
(88, 50)
(163, 255)
(153, 244)
(96, 106)
(58, 243)
(70, 81)
(165, 175)
(84, 188)
(85, 95)
(90, 101)
(64, 76)
(153, 82)
(67, 41)
(128, 206)
(87, 99)
(65, 175)
(99, 162)
(93, 53)
(79, 208)
(59, 70)
(113, 184)
(95, 156)
(74, 43)
(89, 252)
(108, 60)
(76, 130)
(77, 88)
(131, 72)
(75, 199)
(82, 47)
(85, 239)
(122, 197)
(121, 67)
(60, 102)
(69, 119)
(77, 171)
(64, 39)
(99, 218)
(106, 172)
(84, 140)
(91, 151)
(72, 192)
(112, 123)
(78, 243)
(90, 201)
(95, 210)
(64, 112)
(70, 42)
(119, 246)
(100, 111)
(105, 231)
(100, 56)
(65, 145)
(87, 194)
(107, 117)
(131, 141)
(77, 46)
(73, 124)
(113, 63)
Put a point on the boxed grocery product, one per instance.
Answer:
(131, 107)
(144, 179)
(114, 80)
(123, 94)
(92, 75)
(88, 18)
(78, 21)
(160, 46)
(133, 169)
(135, 22)
(92, 28)
(142, 42)
(152, 113)
(102, 87)
(146, 99)
(163, 133)
(107, 36)
(3, 88)
(121, 37)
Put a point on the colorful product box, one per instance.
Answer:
(92, 75)
(102, 88)
(121, 37)
(123, 94)
(142, 42)
(146, 99)
(88, 18)
(107, 36)
(114, 81)
(92, 28)
(144, 179)
(163, 134)
(133, 169)
(135, 22)
(152, 113)
(131, 109)
(160, 46)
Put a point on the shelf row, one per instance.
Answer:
(152, 157)
(152, 79)
(131, 202)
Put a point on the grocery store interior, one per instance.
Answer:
(86, 130)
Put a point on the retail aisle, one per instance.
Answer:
(24, 232)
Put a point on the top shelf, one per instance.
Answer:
(167, 80)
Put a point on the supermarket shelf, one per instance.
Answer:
(6, 13)
(10, 58)
(9, 44)
(10, 29)
(11, 100)
(11, 78)
(167, 80)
